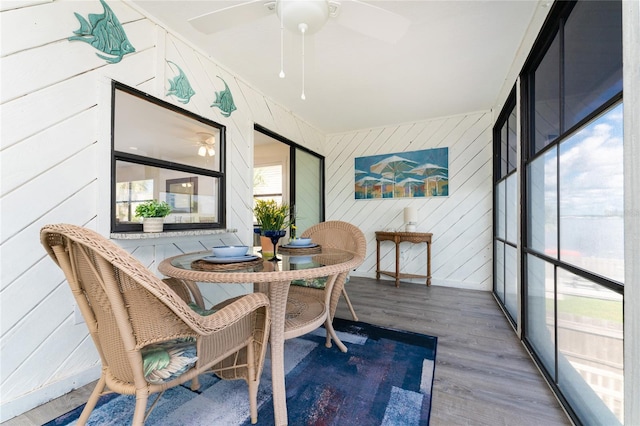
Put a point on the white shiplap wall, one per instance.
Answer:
(461, 223)
(55, 148)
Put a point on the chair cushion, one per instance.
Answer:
(165, 361)
(319, 282)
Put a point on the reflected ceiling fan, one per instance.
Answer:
(307, 17)
(206, 144)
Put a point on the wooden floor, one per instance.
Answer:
(483, 374)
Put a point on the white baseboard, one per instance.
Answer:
(435, 281)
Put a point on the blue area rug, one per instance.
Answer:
(385, 378)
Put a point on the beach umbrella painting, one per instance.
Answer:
(393, 166)
(407, 174)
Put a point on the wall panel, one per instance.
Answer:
(45, 149)
(22, 251)
(461, 223)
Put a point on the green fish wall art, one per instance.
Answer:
(105, 33)
(179, 86)
(224, 100)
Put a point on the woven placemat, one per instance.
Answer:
(203, 265)
(301, 251)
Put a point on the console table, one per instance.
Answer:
(397, 238)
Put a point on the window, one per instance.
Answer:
(573, 252)
(267, 183)
(165, 153)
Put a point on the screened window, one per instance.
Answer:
(506, 208)
(573, 246)
(161, 152)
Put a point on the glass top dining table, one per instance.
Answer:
(273, 278)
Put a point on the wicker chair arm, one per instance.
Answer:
(229, 314)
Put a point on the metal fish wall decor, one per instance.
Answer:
(105, 33)
(180, 86)
(224, 100)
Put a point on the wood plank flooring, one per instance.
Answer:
(483, 374)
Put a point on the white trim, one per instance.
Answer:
(631, 88)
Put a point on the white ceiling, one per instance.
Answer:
(453, 59)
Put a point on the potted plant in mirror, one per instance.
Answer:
(153, 213)
(273, 220)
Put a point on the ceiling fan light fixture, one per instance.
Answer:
(313, 13)
(202, 151)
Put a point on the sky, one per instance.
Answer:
(591, 168)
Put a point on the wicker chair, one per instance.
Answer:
(332, 234)
(129, 310)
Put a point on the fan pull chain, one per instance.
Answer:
(281, 42)
(303, 29)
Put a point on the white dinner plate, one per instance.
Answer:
(215, 259)
(289, 246)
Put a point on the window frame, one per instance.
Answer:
(219, 175)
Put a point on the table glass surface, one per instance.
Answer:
(288, 262)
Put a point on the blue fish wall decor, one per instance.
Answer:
(105, 33)
(224, 100)
(180, 86)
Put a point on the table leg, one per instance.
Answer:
(397, 264)
(278, 292)
(328, 324)
(428, 264)
(377, 259)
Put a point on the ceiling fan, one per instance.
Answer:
(364, 18)
(307, 17)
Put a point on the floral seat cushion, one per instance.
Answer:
(318, 283)
(165, 361)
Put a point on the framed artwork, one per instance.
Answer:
(414, 174)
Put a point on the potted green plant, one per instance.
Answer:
(270, 217)
(153, 213)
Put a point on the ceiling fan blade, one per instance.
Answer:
(231, 16)
(372, 21)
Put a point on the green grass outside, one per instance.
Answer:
(609, 310)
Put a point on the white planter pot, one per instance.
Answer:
(153, 224)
